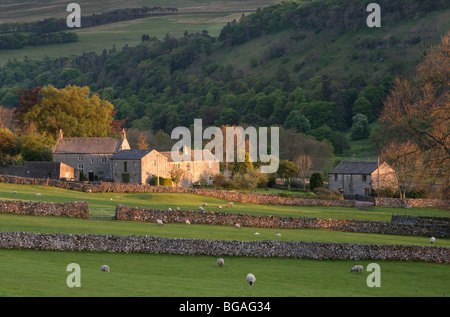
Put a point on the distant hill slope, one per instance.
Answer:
(299, 65)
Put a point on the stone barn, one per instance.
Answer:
(353, 178)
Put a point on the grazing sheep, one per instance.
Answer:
(220, 207)
(159, 222)
(230, 204)
(250, 279)
(278, 234)
(432, 239)
(178, 209)
(187, 222)
(238, 226)
(104, 268)
(38, 195)
(15, 192)
(205, 205)
(201, 208)
(256, 233)
(357, 269)
(220, 262)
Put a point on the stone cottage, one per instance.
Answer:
(90, 156)
(359, 178)
(138, 166)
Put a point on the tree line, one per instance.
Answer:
(57, 25)
(22, 39)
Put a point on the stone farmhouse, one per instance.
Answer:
(138, 166)
(353, 178)
(90, 156)
(51, 170)
(112, 159)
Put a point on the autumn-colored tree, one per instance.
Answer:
(73, 110)
(405, 158)
(420, 109)
(142, 143)
(28, 98)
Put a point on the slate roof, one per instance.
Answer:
(88, 145)
(168, 154)
(355, 167)
(130, 154)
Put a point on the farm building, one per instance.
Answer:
(353, 178)
(52, 170)
(138, 166)
(90, 156)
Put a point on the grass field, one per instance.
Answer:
(43, 273)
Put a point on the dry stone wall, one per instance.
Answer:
(269, 248)
(225, 218)
(77, 209)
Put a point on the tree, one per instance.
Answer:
(315, 181)
(142, 143)
(242, 167)
(304, 164)
(72, 109)
(405, 159)
(287, 169)
(420, 108)
(28, 98)
(360, 127)
(363, 106)
(296, 120)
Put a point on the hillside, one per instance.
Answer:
(296, 74)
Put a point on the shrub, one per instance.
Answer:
(315, 181)
(154, 182)
(167, 182)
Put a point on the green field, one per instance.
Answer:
(43, 273)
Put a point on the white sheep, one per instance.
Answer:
(15, 192)
(104, 268)
(238, 226)
(38, 195)
(220, 207)
(278, 234)
(357, 269)
(187, 222)
(178, 209)
(432, 239)
(220, 262)
(170, 209)
(159, 222)
(230, 204)
(256, 233)
(201, 208)
(250, 279)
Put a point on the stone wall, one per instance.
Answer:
(222, 194)
(269, 248)
(224, 218)
(77, 209)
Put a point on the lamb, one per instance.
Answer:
(220, 207)
(220, 262)
(238, 226)
(159, 222)
(230, 204)
(432, 239)
(38, 195)
(104, 268)
(250, 279)
(201, 208)
(187, 222)
(357, 269)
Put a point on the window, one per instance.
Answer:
(188, 167)
(103, 159)
(92, 160)
(335, 177)
(364, 178)
(154, 163)
(125, 166)
(135, 164)
(80, 158)
(115, 164)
